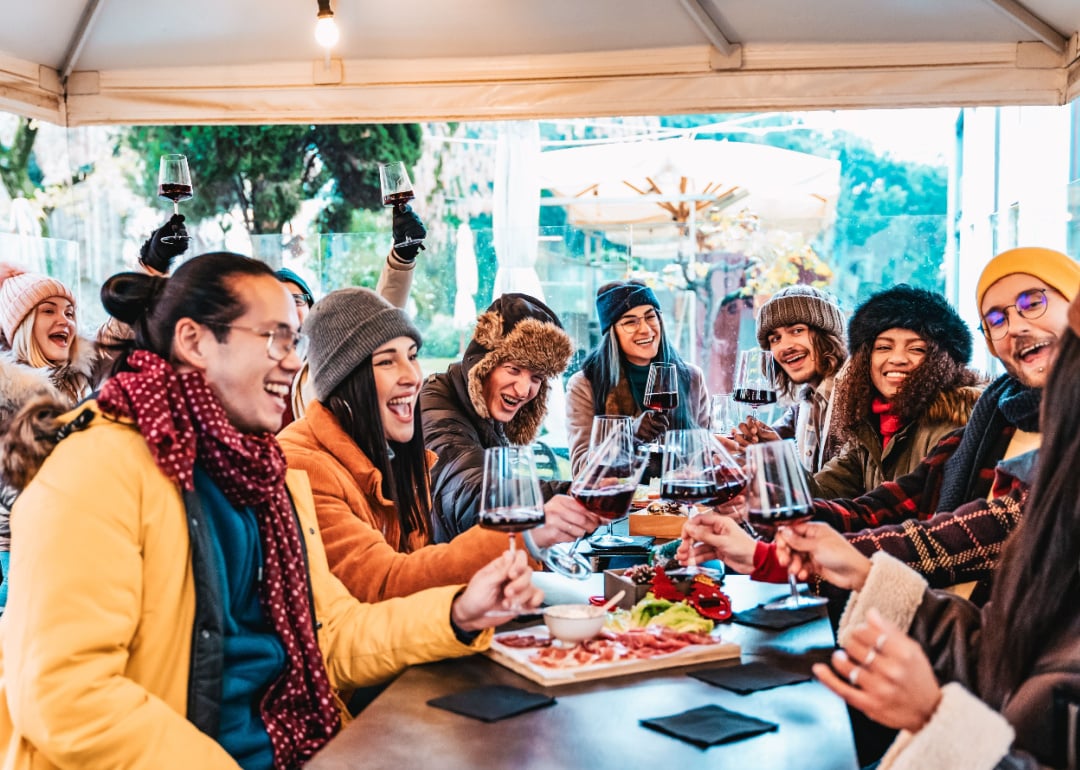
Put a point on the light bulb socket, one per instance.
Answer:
(325, 11)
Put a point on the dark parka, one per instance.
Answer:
(457, 424)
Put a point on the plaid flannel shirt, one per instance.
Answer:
(946, 548)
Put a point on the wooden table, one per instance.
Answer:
(594, 724)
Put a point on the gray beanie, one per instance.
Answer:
(799, 304)
(344, 328)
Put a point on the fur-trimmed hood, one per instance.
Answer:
(19, 384)
(522, 329)
(954, 405)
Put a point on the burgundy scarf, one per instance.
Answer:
(888, 419)
(183, 421)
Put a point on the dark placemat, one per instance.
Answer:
(638, 544)
(749, 678)
(492, 703)
(777, 620)
(709, 725)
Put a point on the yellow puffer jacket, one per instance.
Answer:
(96, 638)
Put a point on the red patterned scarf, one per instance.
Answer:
(183, 422)
(888, 419)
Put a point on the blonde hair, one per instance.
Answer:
(26, 348)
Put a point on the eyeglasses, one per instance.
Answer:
(279, 343)
(303, 299)
(630, 325)
(1030, 304)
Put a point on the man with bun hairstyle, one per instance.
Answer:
(495, 396)
(803, 327)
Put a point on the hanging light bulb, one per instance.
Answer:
(326, 29)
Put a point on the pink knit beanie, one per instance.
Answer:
(21, 293)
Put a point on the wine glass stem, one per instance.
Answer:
(794, 590)
(513, 544)
(176, 208)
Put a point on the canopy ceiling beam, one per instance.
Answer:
(708, 26)
(1032, 23)
(80, 36)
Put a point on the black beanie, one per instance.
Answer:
(613, 301)
(926, 313)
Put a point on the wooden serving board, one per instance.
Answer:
(658, 525)
(517, 660)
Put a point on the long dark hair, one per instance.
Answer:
(604, 367)
(355, 405)
(938, 373)
(1038, 582)
(200, 289)
(829, 352)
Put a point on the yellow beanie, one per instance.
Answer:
(1057, 270)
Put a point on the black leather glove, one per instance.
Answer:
(650, 425)
(157, 253)
(407, 226)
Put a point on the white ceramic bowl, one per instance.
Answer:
(574, 622)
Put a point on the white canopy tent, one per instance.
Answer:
(79, 62)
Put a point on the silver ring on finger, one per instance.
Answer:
(869, 658)
(880, 641)
(853, 676)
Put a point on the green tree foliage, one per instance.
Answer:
(267, 171)
(18, 172)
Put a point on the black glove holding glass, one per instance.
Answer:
(158, 252)
(409, 232)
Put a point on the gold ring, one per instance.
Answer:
(853, 676)
(869, 658)
(880, 641)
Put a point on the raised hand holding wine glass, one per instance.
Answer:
(397, 190)
(605, 487)
(174, 184)
(778, 494)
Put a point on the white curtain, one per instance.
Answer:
(465, 278)
(516, 208)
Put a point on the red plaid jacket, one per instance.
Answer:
(898, 517)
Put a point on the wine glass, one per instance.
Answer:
(661, 391)
(778, 494)
(697, 469)
(397, 190)
(755, 383)
(510, 498)
(604, 425)
(722, 414)
(605, 486)
(174, 184)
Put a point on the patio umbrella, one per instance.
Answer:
(653, 185)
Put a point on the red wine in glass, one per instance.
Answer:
(662, 401)
(175, 192)
(398, 198)
(511, 520)
(754, 398)
(687, 490)
(609, 503)
(725, 490)
(766, 522)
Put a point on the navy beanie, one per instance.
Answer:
(612, 302)
(285, 275)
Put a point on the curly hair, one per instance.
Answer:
(829, 353)
(855, 391)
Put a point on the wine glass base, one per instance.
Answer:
(691, 572)
(568, 564)
(796, 603)
(608, 540)
(175, 238)
(409, 242)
